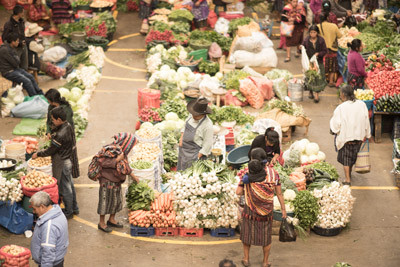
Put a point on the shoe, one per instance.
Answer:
(245, 263)
(332, 85)
(69, 216)
(311, 95)
(346, 183)
(106, 230)
(76, 212)
(287, 59)
(116, 225)
(316, 101)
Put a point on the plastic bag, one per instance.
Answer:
(264, 85)
(247, 30)
(286, 232)
(231, 99)
(222, 26)
(252, 72)
(248, 44)
(286, 29)
(305, 62)
(212, 19)
(14, 218)
(314, 61)
(207, 87)
(266, 58)
(261, 125)
(34, 109)
(280, 87)
(54, 54)
(252, 94)
(215, 51)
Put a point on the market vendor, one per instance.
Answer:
(270, 143)
(197, 137)
(356, 65)
(61, 149)
(38, 13)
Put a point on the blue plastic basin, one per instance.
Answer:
(239, 156)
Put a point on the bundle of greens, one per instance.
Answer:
(287, 107)
(160, 26)
(306, 208)
(181, 15)
(170, 141)
(175, 105)
(231, 79)
(180, 27)
(139, 196)
(223, 41)
(230, 113)
(234, 24)
(80, 125)
(284, 174)
(209, 67)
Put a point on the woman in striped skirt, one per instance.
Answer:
(114, 168)
(258, 187)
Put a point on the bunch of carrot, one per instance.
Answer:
(299, 179)
(30, 143)
(160, 215)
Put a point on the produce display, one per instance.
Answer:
(15, 256)
(230, 113)
(148, 132)
(170, 141)
(288, 107)
(10, 189)
(139, 196)
(145, 151)
(204, 196)
(384, 82)
(141, 165)
(303, 152)
(336, 204)
(149, 114)
(40, 162)
(245, 137)
(31, 144)
(388, 103)
(347, 36)
(6, 163)
(325, 167)
(306, 208)
(36, 179)
(288, 196)
(364, 94)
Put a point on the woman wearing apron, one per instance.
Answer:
(197, 138)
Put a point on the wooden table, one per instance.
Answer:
(378, 123)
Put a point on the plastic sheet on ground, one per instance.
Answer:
(27, 126)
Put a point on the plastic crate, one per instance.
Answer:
(193, 232)
(222, 232)
(167, 231)
(142, 231)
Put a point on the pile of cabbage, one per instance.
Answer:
(159, 56)
(171, 123)
(303, 152)
(179, 78)
(288, 196)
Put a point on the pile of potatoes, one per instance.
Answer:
(40, 162)
(35, 179)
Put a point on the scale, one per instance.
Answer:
(217, 156)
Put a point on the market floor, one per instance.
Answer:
(372, 238)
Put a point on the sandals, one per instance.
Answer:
(332, 85)
(316, 101)
(311, 95)
(268, 265)
(287, 59)
(346, 183)
(106, 230)
(116, 225)
(245, 263)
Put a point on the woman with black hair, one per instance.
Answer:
(61, 11)
(315, 46)
(350, 124)
(269, 142)
(55, 100)
(330, 32)
(356, 65)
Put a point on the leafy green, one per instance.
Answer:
(231, 79)
(326, 167)
(80, 125)
(139, 196)
(111, 24)
(234, 24)
(176, 105)
(223, 41)
(170, 140)
(288, 107)
(181, 15)
(284, 173)
(372, 42)
(230, 113)
(278, 73)
(180, 27)
(306, 208)
(209, 67)
(160, 26)
(141, 165)
(383, 28)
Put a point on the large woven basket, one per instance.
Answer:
(4, 85)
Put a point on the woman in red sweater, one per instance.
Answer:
(356, 65)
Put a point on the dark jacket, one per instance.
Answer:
(33, 57)
(259, 141)
(14, 26)
(320, 48)
(50, 128)
(109, 171)
(9, 60)
(337, 9)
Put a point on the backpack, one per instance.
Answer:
(94, 169)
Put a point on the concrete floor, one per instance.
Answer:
(372, 238)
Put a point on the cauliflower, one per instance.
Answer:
(277, 205)
(289, 195)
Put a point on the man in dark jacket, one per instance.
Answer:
(10, 66)
(16, 24)
(61, 150)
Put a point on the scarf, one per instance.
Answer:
(112, 151)
(126, 141)
(259, 195)
(295, 13)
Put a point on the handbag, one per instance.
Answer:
(286, 29)
(363, 164)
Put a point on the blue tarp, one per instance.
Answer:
(14, 218)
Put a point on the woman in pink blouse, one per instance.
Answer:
(356, 65)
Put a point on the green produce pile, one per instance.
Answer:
(141, 165)
(17, 174)
(245, 137)
(230, 113)
(160, 26)
(231, 79)
(139, 196)
(80, 125)
(209, 67)
(200, 42)
(388, 103)
(306, 208)
(318, 179)
(325, 167)
(278, 73)
(224, 42)
(234, 24)
(288, 107)
(222, 171)
(181, 15)
(180, 27)
(284, 174)
(175, 105)
(79, 59)
(170, 140)
(68, 28)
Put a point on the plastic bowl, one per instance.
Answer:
(327, 231)
(239, 156)
(12, 167)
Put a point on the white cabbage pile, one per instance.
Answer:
(302, 152)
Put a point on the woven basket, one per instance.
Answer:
(4, 85)
(363, 164)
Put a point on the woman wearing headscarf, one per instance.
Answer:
(114, 165)
(294, 13)
(197, 136)
(256, 226)
(356, 65)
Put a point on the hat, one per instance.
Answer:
(33, 29)
(199, 107)
(125, 140)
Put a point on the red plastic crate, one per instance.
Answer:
(230, 137)
(193, 232)
(167, 231)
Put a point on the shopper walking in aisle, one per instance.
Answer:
(11, 66)
(256, 226)
(269, 142)
(197, 136)
(316, 6)
(61, 150)
(330, 32)
(350, 124)
(294, 14)
(16, 25)
(50, 237)
(315, 46)
(114, 167)
(356, 65)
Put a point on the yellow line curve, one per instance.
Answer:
(123, 79)
(123, 66)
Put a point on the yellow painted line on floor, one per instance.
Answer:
(374, 188)
(162, 241)
(113, 91)
(123, 79)
(123, 66)
(128, 36)
(112, 42)
(85, 159)
(127, 50)
(92, 185)
(276, 27)
(298, 75)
